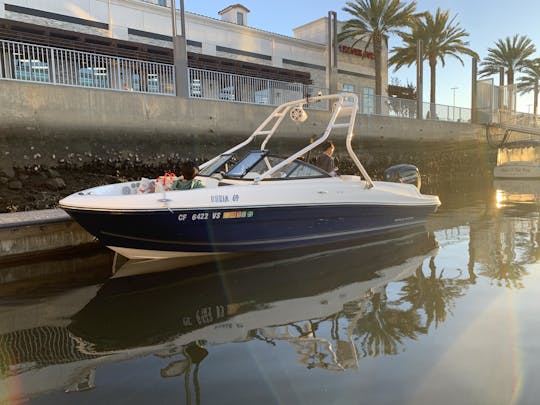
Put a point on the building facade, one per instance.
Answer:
(143, 29)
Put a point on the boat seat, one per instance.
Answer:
(209, 182)
(251, 175)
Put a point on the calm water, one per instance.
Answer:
(447, 315)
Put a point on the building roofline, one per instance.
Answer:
(310, 23)
(231, 7)
(283, 36)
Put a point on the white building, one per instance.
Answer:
(142, 28)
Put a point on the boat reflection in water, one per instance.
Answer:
(503, 233)
(330, 305)
(254, 297)
(517, 191)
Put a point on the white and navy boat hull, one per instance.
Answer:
(332, 210)
(245, 229)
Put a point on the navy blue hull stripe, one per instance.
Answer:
(342, 234)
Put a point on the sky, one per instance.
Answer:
(486, 21)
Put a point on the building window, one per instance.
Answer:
(348, 88)
(240, 18)
(162, 3)
(368, 100)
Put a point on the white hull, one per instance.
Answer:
(135, 254)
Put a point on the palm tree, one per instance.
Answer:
(441, 36)
(373, 21)
(529, 82)
(511, 54)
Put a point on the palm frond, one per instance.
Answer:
(372, 22)
(442, 37)
(511, 54)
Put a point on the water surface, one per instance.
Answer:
(444, 314)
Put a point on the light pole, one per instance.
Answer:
(454, 103)
(420, 79)
(179, 51)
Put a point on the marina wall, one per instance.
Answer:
(44, 125)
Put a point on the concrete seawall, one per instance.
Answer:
(46, 125)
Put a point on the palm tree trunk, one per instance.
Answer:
(510, 76)
(377, 51)
(433, 82)
(510, 90)
(535, 100)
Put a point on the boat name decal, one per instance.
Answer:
(223, 198)
(514, 169)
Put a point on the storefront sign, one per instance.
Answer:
(356, 51)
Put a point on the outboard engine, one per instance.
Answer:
(403, 173)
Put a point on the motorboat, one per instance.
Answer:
(518, 160)
(254, 200)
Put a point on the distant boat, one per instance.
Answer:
(518, 160)
(260, 202)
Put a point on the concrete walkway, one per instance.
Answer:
(24, 234)
(32, 218)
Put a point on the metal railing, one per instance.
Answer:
(446, 113)
(211, 85)
(524, 123)
(510, 117)
(403, 108)
(43, 64)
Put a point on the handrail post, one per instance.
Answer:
(52, 67)
(119, 84)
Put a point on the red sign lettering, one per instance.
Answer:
(356, 51)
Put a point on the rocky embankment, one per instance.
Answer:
(31, 189)
(37, 188)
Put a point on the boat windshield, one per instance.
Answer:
(244, 166)
(257, 162)
(220, 164)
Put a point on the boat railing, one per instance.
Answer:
(344, 113)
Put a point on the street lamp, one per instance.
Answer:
(179, 51)
(454, 103)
